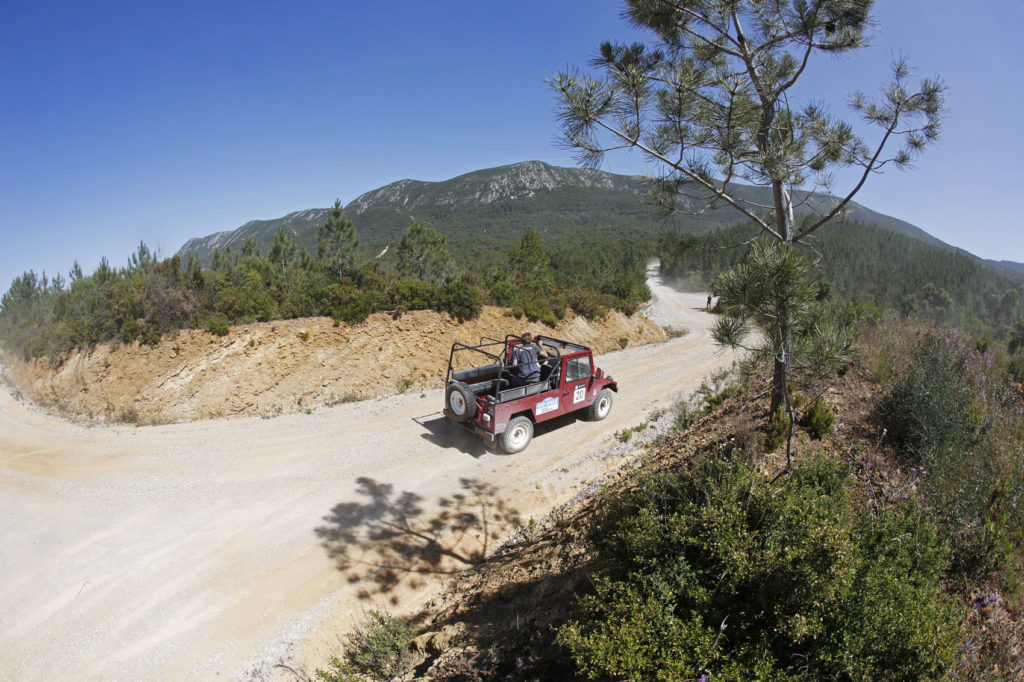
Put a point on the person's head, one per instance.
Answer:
(527, 337)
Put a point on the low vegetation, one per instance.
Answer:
(717, 571)
(378, 649)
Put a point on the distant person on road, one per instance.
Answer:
(709, 302)
(525, 362)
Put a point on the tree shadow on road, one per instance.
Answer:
(390, 538)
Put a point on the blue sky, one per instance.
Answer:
(161, 121)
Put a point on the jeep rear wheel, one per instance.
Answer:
(461, 401)
(517, 436)
(601, 406)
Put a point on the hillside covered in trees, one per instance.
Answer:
(487, 210)
(864, 264)
(147, 298)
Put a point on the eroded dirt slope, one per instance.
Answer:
(274, 368)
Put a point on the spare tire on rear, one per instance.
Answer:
(461, 401)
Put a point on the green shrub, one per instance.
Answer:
(777, 430)
(819, 419)
(377, 649)
(927, 411)
(129, 330)
(713, 391)
(719, 572)
(461, 299)
(503, 293)
(1015, 368)
(355, 309)
(590, 304)
(217, 325)
(896, 623)
(532, 308)
(958, 419)
(414, 294)
(149, 334)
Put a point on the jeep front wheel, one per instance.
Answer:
(517, 436)
(601, 406)
(461, 401)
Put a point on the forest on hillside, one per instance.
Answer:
(44, 316)
(866, 265)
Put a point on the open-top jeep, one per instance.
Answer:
(481, 396)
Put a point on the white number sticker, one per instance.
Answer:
(580, 394)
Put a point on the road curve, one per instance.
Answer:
(216, 548)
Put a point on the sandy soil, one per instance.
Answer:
(218, 548)
(281, 367)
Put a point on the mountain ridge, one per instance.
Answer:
(489, 208)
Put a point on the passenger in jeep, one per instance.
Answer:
(525, 363)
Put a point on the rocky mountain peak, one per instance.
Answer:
(504, 183)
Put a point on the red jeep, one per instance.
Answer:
(481, 397)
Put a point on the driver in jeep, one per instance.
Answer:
(525, 362)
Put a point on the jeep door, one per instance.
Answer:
(577, 376)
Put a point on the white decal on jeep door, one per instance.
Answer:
(580, 393)
(546, 405)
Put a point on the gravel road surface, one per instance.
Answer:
(215, 549)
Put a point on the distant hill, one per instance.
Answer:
(489, 209)
(1007, 267)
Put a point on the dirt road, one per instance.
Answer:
(217, 548)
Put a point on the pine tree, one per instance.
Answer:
(282, 252)
(423, 254)
(711, 104)
(338, 242)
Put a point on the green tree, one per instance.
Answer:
(142, 261)
(711, 104)
(1016, 341)
(423, 254)
(283, 251)
(774, 280)
(337, 240)
(529, 257)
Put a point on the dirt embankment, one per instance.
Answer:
(281, 367)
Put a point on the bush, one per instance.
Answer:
(959, 421)
(503, 293)
(217, 325)
(1015, 368)
(718, 572)
(927, 411)
(777, 430)
(149, 334)
(129, 330)
(461, 299)
(533, 309)
(378, 649)
(590, 304)
(355, 309)
(819, 419)
(414, 294)
(713, 391)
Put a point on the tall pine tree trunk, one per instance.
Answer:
(780, 371)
